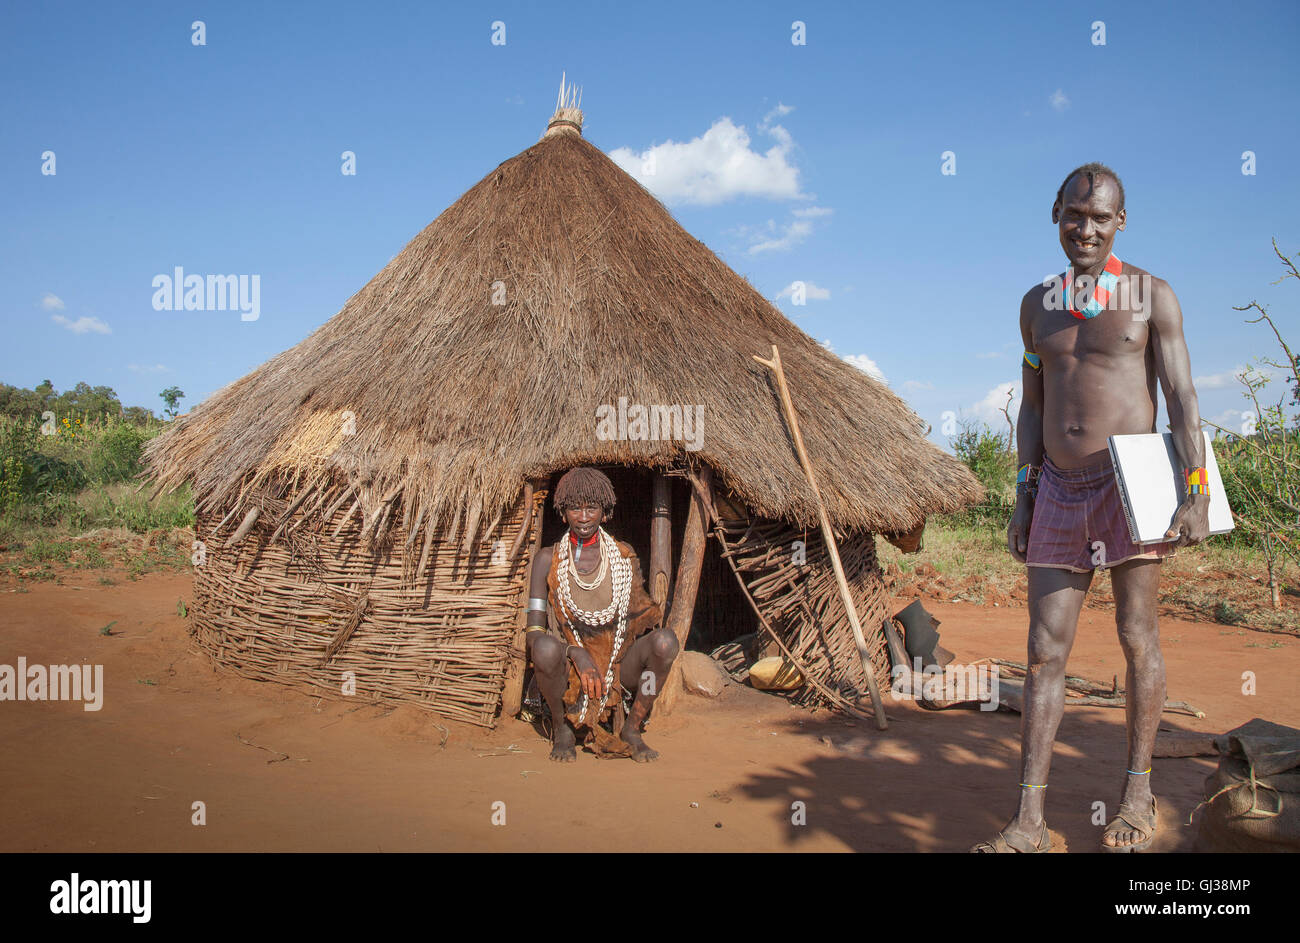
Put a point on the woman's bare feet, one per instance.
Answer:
(562, 750)
(641, 751)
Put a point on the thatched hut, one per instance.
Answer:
(369, 501)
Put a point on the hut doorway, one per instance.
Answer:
(721, 611)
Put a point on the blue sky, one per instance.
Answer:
(225, 158)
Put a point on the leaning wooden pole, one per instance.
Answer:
(687, 585)
(829, 536)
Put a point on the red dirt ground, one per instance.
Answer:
(370, 778)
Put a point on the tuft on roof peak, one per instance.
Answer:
(568, 112)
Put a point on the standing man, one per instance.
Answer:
(1096, 341)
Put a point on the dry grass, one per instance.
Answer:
(50, 557)
(1215, 582)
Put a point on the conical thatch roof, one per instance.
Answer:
(455, 399)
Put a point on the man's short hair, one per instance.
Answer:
(582, 486)
(1092, 170)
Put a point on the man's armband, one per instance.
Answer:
(1027, 480)
(1034, 361)
(1198, 482)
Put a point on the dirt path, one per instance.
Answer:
(330, 776)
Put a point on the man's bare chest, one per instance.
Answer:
(1114, 333)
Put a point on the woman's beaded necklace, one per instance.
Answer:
(620, 597)
(601, 570)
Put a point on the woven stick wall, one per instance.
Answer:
(800, 604)
(421, 622)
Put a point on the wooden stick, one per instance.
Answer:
(686, 588)
(380, 511)
(297, 503)
(347, 517)
(471, 524)
(808, 675)
(245, 526)
(233, 510)
(829, 536)
(526, 528)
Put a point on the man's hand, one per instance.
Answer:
(1018, 529)
(1191, 523)
(593, 685)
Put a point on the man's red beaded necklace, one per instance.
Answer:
(1105, 284)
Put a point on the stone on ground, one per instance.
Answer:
(702, 675)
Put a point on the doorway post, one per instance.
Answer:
(688, 581)
(661, 539)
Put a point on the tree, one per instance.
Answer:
(137, 415)
(94, 402)
(46, 394)
(1261, 467)
(18, 402)
(172, 397)
(991, 456)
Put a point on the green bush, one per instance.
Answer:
(113, 453)
(77, 473)
(992, 459)
(1246, 488)
(17, 476)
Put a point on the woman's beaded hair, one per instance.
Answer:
(581, 486)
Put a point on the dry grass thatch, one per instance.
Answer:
(423, 387)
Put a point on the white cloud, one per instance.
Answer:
(1230, 419)
(52, 302)
(862, 362)
(1059, 101)
(155, 368)
(770, 237)
(913, 386)
(812, 291)
(767, 236)
(791, 235)
(1219, 381)
(867, 366)
(780, 111)
(989, 409)
(717, 166)
(82, 325)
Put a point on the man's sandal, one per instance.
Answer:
(1125, 821)
(1003, 843)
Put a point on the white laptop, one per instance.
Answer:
(1151, 483)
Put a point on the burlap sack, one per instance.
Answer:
(1252, 801)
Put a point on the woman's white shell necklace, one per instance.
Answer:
(621, 595)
